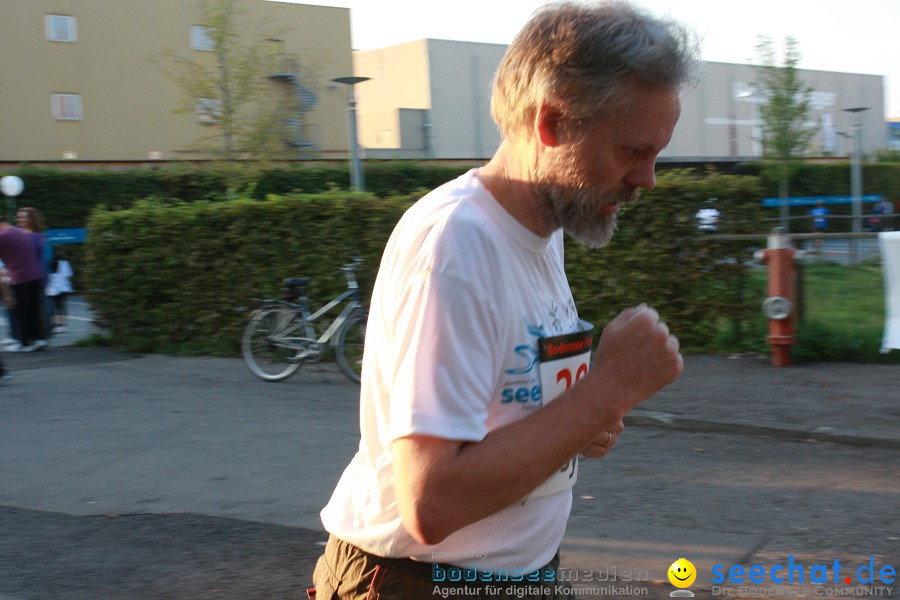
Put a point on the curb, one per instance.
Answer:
(650, 418)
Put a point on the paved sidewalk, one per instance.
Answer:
(845, 403)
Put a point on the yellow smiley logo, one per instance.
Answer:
(682, 573)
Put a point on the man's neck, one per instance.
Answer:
(509, 177)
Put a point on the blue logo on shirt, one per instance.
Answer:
(528, 352)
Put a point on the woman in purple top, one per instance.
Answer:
(27, 276)
(32, 221)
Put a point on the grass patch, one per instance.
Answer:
(842, 316)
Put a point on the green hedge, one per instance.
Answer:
(176, 277)
(66, 197)
(833, 178)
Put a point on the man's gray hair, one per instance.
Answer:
(583, 57)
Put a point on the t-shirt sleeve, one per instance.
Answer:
(445, 354)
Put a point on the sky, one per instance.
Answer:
(853, 36)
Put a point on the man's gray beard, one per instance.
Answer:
(579, 211)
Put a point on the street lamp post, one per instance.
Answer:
(11, 186)
(856, 182)
(357, 182)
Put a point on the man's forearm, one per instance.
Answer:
(443, 485)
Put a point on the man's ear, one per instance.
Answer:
(547, 124)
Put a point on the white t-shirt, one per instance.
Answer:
(707, 219)
(60, 282)
(463, 293)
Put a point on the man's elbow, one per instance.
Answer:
(425, 487)
(426, 524)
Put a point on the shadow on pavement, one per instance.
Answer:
(52, 556)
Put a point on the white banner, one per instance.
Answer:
(890, 261)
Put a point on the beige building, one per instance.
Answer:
(720, 116)
(427, 99)
(85, 79)
(431, 98)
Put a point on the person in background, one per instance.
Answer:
(7, 297)
(470, 437)
(879, 219)
(59, 285)
(819, 215)
(27, 277)
(708, 217)
(31, 220)
(12, 326)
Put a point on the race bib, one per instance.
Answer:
(564, 359)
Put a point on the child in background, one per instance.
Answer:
(6, 294)
(59, 285)
(11, 332)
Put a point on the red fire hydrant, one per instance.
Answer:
(779, 306)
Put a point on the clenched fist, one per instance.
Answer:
(636, 357)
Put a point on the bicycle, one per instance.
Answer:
(281, 336)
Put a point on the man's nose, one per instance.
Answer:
(643, 174)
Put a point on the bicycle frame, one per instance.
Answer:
(339, 320)
(286, 337)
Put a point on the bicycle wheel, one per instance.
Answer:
(348, 347)
(266, 357)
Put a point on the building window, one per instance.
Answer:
(208, 110)
(384, 137)
(201, 38)
(60, 28)
(66, 107)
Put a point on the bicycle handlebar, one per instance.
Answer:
(347, 270)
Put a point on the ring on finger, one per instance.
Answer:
(608, 439)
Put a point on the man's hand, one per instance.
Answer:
(636, 357)
(603, 443)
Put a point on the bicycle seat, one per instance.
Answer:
(295, 282)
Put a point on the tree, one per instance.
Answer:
(786, 134)
(227, 88)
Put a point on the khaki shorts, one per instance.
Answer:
(346, 572)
